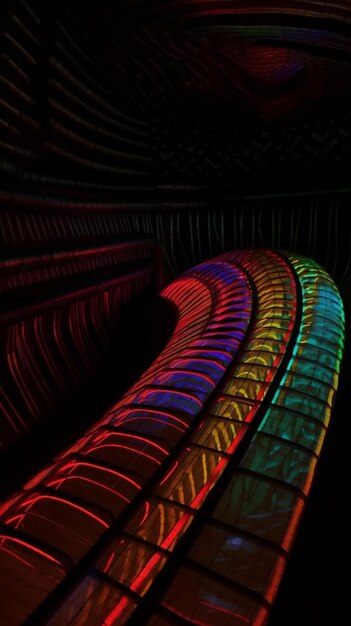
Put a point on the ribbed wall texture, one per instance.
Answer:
(184, 92)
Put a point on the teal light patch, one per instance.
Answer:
(316, 354)
(300, 403)
(315, 370)
(294, 428)
(257, 505)
(280, 460)
(309, 386)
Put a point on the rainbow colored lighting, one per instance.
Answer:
(201, 471)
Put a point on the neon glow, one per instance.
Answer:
(31, 548)
(185, 417)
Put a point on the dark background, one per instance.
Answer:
(210, 130)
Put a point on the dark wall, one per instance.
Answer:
(112, 95)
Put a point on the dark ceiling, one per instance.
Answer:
(243, 93)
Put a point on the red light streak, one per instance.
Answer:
(32, 364)
(145, 440)
(32, 548)
(144, 414)
(102, 469)
(173, 534)
(274, 581)
(107, 566)
(186, 373)
(215, 607)
(123, 447)
(18, 558)
(154, 419)
(169, 473)
(115, 614)
(196, 351)
(147, 508)
(15, 372)
(207, 487)
(203, 360)
(174, 392)
(134, 437)
(31, 502)
(7, 414)
(87, 480)
(139, 581)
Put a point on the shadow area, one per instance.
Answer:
(145, 325)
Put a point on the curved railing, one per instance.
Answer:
(182, 502)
